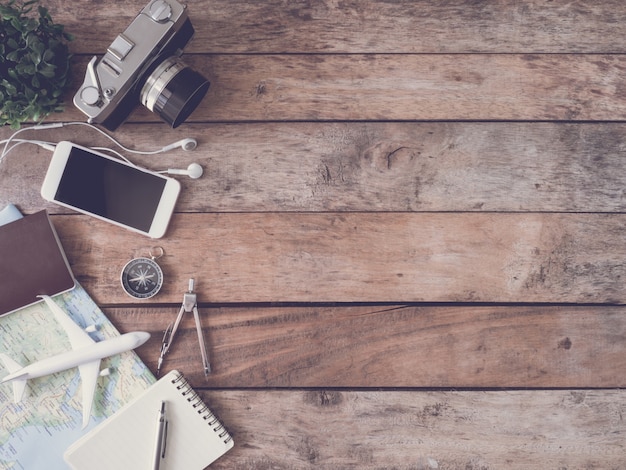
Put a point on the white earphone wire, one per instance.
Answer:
(115, 141)
(50, 146)
(7, 149)
(42, 143)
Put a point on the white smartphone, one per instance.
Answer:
(109, 189)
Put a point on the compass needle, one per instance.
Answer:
(142, 278)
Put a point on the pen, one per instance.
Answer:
(161, 437)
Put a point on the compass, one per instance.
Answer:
(142, 278)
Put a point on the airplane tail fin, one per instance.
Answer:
(19, 384)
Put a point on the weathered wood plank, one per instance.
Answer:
(403, 87)
(413, 87)
(368, 257)
(459, 26)
(324, 429)
(295, 211)
(392, 346)
(372, 167)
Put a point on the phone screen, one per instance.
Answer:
(110, 189)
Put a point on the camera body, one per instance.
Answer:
(143, 64)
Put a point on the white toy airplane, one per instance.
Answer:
(85, 354)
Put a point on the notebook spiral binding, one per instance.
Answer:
(192, 397)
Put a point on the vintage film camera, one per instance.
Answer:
(143, 65)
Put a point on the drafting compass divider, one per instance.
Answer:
(190, 304)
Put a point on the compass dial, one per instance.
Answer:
(142, 278)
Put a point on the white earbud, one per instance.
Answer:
(186, 144)
(194, 171)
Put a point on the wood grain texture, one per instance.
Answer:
(362, 87)
(458, 26)
(330, 429)
(391, 346)
(357, 257)
(398, 194)
(413, 87)
(366, 167)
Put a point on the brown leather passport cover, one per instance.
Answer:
(32, 262)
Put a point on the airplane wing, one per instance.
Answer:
(19, 385)
(89, 374)
(77, 336)
(90, 371)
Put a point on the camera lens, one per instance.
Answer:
(173, 91)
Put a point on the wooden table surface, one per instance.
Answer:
(409, 240)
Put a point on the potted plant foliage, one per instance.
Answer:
(34, 63)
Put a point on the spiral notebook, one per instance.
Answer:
(195, 437)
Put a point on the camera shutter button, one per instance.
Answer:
(160, 11)
(90, 95)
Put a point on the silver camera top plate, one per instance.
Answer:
(110, 79)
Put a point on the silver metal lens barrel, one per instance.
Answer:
(158, 80)
(173, 91)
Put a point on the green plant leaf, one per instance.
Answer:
(17, 24)
(34, 63)
(38, 46)
(10, 88)
(48, 55)
(12, 44)
(47, 70)
(8, 14)
(31, 25)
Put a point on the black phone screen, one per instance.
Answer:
(110, 189)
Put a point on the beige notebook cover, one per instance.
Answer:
(126, 440)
